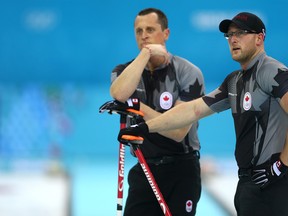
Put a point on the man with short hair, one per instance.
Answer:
(161, 81)
(257, 95)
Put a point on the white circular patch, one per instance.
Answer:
(166, 100)
(247, 101)
(189, 206)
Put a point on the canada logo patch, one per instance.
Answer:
(189, 206)
(247, 101)
(166, 99)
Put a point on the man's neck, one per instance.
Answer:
(246, 64)
(155, 62)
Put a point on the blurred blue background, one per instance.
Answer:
(56, 57)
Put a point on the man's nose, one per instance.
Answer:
(144, 34)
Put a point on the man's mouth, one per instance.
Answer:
(235, 48)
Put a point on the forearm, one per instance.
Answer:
(125, 85)
(176, 134)
(180, 116)
(284, 102)
(284, 153)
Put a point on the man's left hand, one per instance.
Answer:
(130, 107)
(268, 174)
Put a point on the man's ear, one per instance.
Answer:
(166, 34)
(260, 39)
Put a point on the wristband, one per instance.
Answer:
(279, 167)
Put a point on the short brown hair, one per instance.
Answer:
(162, 18)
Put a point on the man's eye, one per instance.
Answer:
(139, 31)
(150, 30)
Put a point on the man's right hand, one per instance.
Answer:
(158, 50)
(138, 130)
